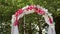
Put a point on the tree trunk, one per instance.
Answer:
(57, 24)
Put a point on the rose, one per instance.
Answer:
(30, 7)
(39, 11)
(20, 11)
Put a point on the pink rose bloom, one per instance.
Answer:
(20, 11)
(40, 11)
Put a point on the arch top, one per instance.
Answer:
(31, 9)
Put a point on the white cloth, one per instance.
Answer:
(51, 28)
(14, 29)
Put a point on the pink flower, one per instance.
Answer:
(50, 20)
(40, 11)
(16, 14)
(16, 23)
(30, 7)
(20, 11)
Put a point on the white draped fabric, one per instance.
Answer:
(51, 29)
(14, 29)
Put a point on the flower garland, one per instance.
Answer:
(31, 9)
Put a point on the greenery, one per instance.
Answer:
(9, 7)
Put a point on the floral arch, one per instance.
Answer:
(31, 9)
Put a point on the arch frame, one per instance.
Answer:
(31, 9)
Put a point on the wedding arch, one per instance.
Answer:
(31, 9)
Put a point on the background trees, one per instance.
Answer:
(9, 7)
